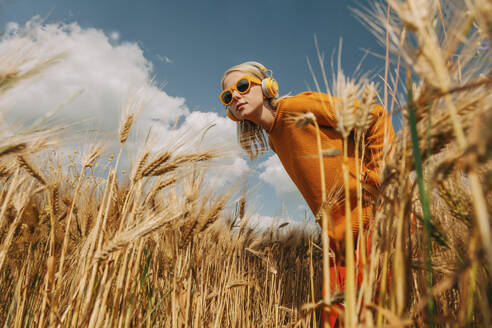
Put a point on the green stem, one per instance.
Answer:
(412, 121)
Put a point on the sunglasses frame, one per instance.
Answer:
(251, 79)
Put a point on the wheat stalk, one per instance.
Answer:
(10, 149)
(26, 164)
(125, 128)
(152, 166)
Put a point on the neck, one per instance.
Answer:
(265, 116)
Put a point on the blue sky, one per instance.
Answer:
(203, 38)
(189, 44)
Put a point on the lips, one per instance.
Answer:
(240, 106)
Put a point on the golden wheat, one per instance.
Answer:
(163, 249)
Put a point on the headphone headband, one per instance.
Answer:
(267, 71)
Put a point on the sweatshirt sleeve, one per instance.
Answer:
(377, 135)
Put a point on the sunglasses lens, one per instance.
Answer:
(227, 97)
(242, 85)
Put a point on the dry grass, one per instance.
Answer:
(157, 247)
(175, 258)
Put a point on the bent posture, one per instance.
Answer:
(250, 95)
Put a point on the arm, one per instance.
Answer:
(320, 104)
(379, 133)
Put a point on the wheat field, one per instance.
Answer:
(85, 244)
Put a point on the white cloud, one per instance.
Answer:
(275, 175)
(211, 131)
(262, 222)
(115, 35)
(10, 27)
(282, 227)
(164, 59)
(108, 72)
(96, 63)
(223, 132)
(227, 173)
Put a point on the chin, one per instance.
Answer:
(247, 111)
(245, 115)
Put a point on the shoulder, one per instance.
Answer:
(303, 101)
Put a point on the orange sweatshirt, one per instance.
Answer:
(298, 151)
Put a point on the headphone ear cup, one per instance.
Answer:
(270, 87)
(230, 115)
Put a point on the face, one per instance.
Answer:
(244, 106)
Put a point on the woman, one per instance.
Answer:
(250, 95)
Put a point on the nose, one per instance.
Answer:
(235, 95)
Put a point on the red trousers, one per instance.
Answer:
(337, 285)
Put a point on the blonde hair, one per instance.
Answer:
(251, 137)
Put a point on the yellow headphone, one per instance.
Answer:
(230, 115)
(269, 87)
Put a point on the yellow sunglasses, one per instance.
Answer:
(242, 86)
